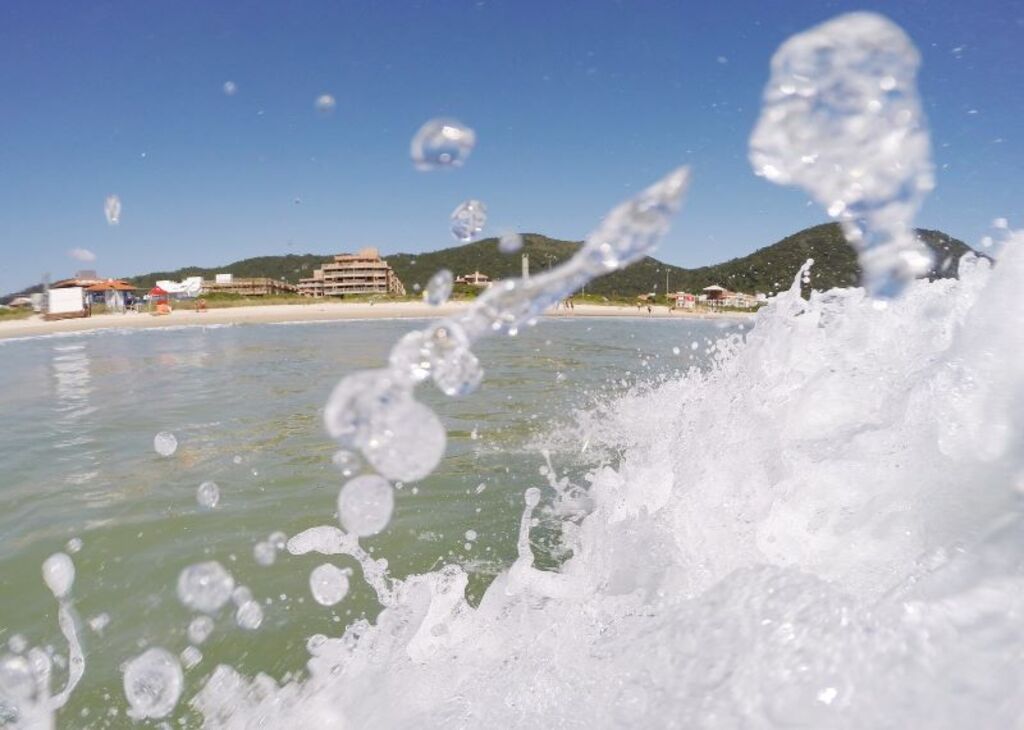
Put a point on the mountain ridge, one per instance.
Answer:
(767, 269)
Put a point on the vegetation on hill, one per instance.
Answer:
(767, 270)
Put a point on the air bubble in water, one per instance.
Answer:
(442, 143)
(328, 584)
(152, 684)
(439, 288)
(112, 210)
(199, 629)
(208, 495)
(325, 104)
(365, 505)
(205, 586)
(230, 88)
(264, 553)
(59, 574)
(165, 443)
(510, 242)
(468, 219)
(249, 616)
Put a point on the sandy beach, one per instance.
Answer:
(313, 312)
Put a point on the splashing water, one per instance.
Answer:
(468, 219)
(442, 143)
(112, 210)
(439, 288)
(842, 119)
(365, 505)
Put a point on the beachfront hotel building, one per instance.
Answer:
(364, 272)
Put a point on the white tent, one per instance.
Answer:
(188, 288)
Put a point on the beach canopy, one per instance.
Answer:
(157, 292)
(111, 285)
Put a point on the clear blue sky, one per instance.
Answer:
(576, 104)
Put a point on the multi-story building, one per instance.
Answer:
(364, 272)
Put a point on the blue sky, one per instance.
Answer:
(575, 104)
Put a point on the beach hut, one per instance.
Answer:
(114, 293)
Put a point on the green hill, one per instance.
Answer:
(768, 269)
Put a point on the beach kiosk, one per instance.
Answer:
(159, 302)
(114, 293)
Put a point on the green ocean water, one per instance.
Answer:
(245, 403)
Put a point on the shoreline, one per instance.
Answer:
(35, 326)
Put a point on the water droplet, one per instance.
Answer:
(237, 459)
(365, 505)
(208, 495)
(17, 643)
(264, 553)
(152, 684)
(471, 535)
(439, 288)
(112, 210)
(230, 88)
(532, 497)
(59, 574)
(406, 441)
(328, 584)
(74, 545)
(442, 143)
(165, 443)
(510, 242)
(99, 622)
(675, 350)
(346, 461)
(468, 219)
(241, 595)
(278, 539)
(249, 616)
(205, 586)
(190, 657)
(199, 629)
(325, 104)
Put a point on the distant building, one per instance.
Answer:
(718, 296)
(255, 287)
(474, 279)
(364, 272)
(684, 300)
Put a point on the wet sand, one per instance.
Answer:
(312, 312)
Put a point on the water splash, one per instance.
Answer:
(468, 219)
(842, 119)
(442, 143)
(439, 288)
(112, 210)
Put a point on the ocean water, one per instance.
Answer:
(244, 403)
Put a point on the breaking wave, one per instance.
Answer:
(822, 530)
